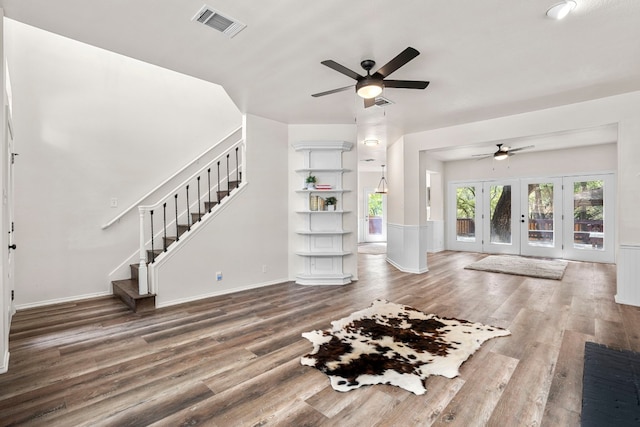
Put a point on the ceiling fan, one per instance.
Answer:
(371, 85)
(503, 152)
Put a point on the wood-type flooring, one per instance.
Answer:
(234, 360)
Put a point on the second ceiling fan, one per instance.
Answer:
(503, 152)
(371, 85)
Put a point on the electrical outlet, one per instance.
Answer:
(219, 276)
(264, 268)
(114, 202)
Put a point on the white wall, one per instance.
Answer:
(247, 241)
(349, 181)
(92, 125)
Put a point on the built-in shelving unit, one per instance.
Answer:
(321, 235)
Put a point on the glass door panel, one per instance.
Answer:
(375, 224)
(466, 214)
(541, 217)
(465, 230)
(589, 208)
(502, 206)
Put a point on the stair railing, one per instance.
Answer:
(184, 208)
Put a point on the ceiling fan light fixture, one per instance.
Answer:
(561, 10)
(369, 88)
(501, 155)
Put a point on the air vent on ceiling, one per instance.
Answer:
(381, 101)
(214, 19)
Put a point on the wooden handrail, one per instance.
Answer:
(135, 205)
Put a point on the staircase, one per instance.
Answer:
(127, 289)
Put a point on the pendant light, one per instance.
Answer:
(383, 188)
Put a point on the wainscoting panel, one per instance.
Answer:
(629, 275)
(407, 247)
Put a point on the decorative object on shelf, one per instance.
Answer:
(330, 202)
(382, 185)
(321, 204)
(313, 203)
(323, 187)
(310, 183)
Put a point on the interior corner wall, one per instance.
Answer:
(91, 125)
(337, 132)
(247, 240)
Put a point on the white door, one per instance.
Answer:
(10, 157)
(541, 217)
(501, 217)
(589, 210)
(375, 224)
(465, 211)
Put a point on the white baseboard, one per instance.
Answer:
(218, 293)
(5, 363)
(406, 269)
(63, 300)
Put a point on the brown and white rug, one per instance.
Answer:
(394, 344)
(521, 266)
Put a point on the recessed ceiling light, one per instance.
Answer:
(371, 142)
(561, 10)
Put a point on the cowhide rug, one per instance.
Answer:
(394, 344)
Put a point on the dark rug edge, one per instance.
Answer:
(610, 387)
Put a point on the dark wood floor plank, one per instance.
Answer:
(235, 359)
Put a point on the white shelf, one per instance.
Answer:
(322, 212)
(321, 170)
(323, 191)
(321, 233)
(328, 279)
(323, 254)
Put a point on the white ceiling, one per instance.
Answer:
(484, 59)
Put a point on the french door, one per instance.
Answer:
(485, 214)
(556, 217)
(541, 217)
(589, 208)
(500, 217)
(375, 226)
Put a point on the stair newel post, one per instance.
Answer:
(218, 187)
(228, 183)
(177, 228)
(142, 268)
(188, 214)
(199, 212)
(153, 251)
(209, 185)
(164, 226)
(237, 167)
(243, 156)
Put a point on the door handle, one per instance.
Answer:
(12, 246)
